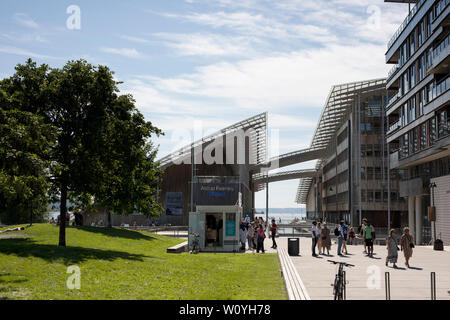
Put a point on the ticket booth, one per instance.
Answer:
(218, 227)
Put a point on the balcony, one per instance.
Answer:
(392, 72)
(393, 99)
(410, 16)
(394, 127)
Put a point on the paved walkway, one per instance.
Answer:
(317, 274)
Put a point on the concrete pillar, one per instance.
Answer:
(411, 216)
(419, 217)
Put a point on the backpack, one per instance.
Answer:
(336, 231)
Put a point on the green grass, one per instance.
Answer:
(126, 264)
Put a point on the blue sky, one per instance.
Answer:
(214, 61)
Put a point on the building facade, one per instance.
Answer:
(418, 114)
(352, 181)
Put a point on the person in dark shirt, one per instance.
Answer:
(273, 230)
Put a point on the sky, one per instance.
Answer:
(212, 63)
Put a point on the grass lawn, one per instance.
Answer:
(126, 264)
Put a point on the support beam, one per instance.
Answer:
(419, 218)
(411, 223)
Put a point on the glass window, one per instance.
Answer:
(432, 128)
(412, 43)
(369, 150)
(363, 150)
(363, 195)
(363, 173)
(412, 73)
(369, 173)
(369, 195)
(442, 123)
(423, 136)
(406, 81)
(378, 173)
(421, 32)
(378, 196)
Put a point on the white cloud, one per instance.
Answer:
(25, 20)
(134, 39)
(23, 52)
(126, 52)
(198, 44)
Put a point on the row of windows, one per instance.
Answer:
(414, 107)
(371, 150)
(425, 134)
(379, 196)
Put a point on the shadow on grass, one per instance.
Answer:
(70, 255)
(115, 232)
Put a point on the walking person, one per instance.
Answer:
(255, 234)
(319, 239)
(340, 237)
(261, 237)
(250, 233)
(315, 237)
(344, 237)
(369, 237)
(407, 245)
(325, 238)
(392, 248)
(351, 236)
(361, 232)
(242, 235)
(273, 230)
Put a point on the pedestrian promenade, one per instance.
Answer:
(366, 281)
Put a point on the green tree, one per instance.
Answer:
(83, 103)
(25, 141)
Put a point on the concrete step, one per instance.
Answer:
(182, 247)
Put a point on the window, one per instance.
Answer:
(432, 128)
(406, 82)
(421, 33)
(363, 195)
(377, 196)
(378, 173)
(404, 150)
(412, 43)
(363, 173)
(376, 150)
(369, 173)
(413, 141)
(411, 109)
(363, 150)
(369, 195)
(412, 73)
(369, 152)
(423, 136)
(393, 195)
(385, 196)
(442, 123)
(421, 67)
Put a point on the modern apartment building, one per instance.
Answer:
(418, 115)
(352, 181)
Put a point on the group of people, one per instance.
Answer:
(252, 234)
(321, 238)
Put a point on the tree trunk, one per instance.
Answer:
(31, 217)
(62, 212)
(109, 218)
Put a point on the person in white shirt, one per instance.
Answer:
(315, 238)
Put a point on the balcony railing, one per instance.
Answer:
(444, 43)
(394, 98)
(440, 6)
(440, 88)
(408, 18)
(392, 72)
(394, 127)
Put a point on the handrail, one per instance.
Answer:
(405, 22)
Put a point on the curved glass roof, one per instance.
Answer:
(335, 111)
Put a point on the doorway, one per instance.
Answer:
(213, 230)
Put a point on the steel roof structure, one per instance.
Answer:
(257, 140)
(336, 109)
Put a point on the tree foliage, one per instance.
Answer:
(102, 151)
